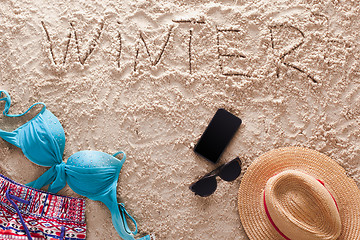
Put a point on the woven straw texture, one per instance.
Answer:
(301, 207)
(251, 208)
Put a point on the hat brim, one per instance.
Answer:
(344, 189)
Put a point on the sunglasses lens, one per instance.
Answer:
(204, 187)
(231, 170)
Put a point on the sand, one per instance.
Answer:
(146, 77)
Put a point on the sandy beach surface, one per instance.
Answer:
(146, 77)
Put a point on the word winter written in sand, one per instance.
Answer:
(222, 56)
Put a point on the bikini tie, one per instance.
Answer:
(60, 179)
(55, 176)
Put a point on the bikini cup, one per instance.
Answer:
(42, 139)
(92, 174)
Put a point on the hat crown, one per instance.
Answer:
(301, 207)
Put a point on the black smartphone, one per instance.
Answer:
(217, 135)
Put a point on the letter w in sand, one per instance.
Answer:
(72, 32)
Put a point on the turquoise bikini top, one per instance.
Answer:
(92, 174)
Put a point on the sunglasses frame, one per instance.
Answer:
(215, 173)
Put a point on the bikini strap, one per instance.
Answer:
(123, 212)
(7, 100)
(123, 158)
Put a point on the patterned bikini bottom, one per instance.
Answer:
(28, 213)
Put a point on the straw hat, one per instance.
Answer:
(297, 193)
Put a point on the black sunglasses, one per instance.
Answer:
(207, 184)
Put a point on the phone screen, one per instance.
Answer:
(217, 135)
